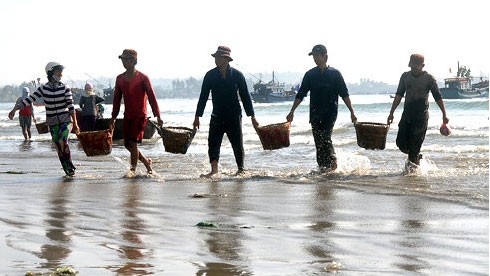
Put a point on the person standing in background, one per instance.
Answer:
(25, 115)
(88, 104)
(223, 82)
(136, 89)
(60, 112)
(326, 85)
(415, 86)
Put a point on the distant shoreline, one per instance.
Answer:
(191, 87)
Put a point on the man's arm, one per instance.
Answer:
(116, 104)
(440, 103)
(303, 91)
(349, 106)
(400, 92)
(395, 104)
(152, 98)
(203, 99)
(296, 103)
(436, 93)
(246, 100)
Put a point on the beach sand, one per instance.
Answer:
(101, 223)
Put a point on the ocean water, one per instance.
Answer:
(104, 223)
(453, 168)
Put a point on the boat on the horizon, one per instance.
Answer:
(461, 86)
(108, 95)
(272, 92)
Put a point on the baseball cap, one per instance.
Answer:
(318, 49)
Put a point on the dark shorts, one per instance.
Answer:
(25, 121)
(232, 126)
(411, 136)
(134, 129)
(325, 152)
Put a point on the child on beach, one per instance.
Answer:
(25, 115)
(136, 89)
(415, 86)
(60, 112)
(100, 110)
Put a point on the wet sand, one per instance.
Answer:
(105, 224)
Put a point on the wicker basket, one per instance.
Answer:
(274, 136)
(104, 123)
(96, 142)
(150, 130)
(42, 128)
(176, 139)
(371, 135)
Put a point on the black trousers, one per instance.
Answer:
(325, 152)
(232, 126)
(411, 135)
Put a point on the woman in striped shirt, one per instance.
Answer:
(60, 112)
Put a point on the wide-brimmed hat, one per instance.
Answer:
(222, 51)
(318, 49)
(129, 53)
(416, 59)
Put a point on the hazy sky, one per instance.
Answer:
(174, 39)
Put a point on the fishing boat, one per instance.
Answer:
(108, 95)
(462, 87)
(272, 92)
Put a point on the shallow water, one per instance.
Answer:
(282, 217)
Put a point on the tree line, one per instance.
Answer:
(185, 88)
(176, 88)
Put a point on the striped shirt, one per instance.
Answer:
(58, 101)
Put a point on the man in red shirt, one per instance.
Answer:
(136, 89)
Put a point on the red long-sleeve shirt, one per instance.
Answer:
(136, 93)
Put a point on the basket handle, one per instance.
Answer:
(159, 129)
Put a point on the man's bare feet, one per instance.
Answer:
(240, 172)
(130, 174)
(149, 170)
(209, 175)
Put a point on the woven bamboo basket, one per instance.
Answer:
(42, 128)
(176, 139)
(274, 136)
(371, 135)
(96, 142)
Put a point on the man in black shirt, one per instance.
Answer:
(223, 82)
(326, 85)
(415, 85)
